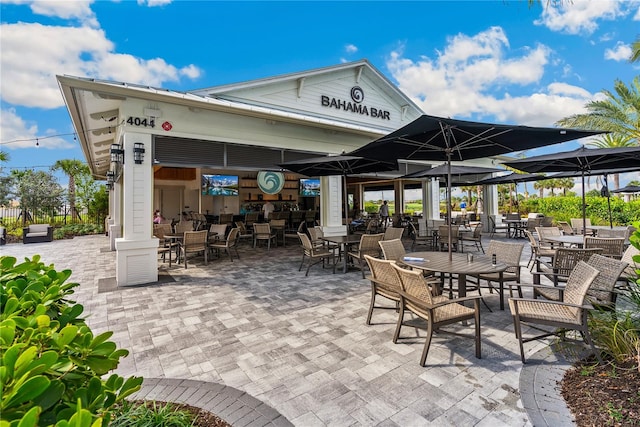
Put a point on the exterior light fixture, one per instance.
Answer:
(138, 152)
(117, 154)
(111, 175)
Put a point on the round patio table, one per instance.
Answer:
(566, 240)
(438, 262)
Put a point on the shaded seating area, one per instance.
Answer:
(568, 314)
(263, 232)
(611, 246)
(471, 238)
(508, 253)
(37, 233)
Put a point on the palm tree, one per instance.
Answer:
(618, 113)
(635, 51)
(71, 168)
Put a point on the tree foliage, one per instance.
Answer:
(36, 190)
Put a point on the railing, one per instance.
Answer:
(62, 216)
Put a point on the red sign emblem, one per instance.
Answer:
(167, 126)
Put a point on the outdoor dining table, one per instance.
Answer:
(566, 240)
(344, 242)
(438, 262)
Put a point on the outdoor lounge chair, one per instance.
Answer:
(37, 233)
(568, 314)
(416, 297)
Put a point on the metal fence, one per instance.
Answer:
(57, 217)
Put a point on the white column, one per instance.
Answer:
(490, 200)
(332, 205)
(137, 256)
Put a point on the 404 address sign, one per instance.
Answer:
(140, 121)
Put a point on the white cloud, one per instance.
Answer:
(32, 54)
(579, 16)
(621, 52)
(154, 3)
(474, 75)
(78, 9)
(15, 133)
(351, 48)
(636, 17)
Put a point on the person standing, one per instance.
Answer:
(384, 213)
(267, 208)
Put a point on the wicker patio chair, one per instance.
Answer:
(391, 233)
(183, 226)
(577, 223)
(443, 237)
(250, 218)
(566, 228)
(314, 254)
(368, 246)
(420, 237)
(384, 282)
(611, 246)
(194, 242)
(568, 314)
(243, 232)
(471, 238)
(538, 251)
(226, 218)
(217, 233)
(437, 311)
(392, 250)
(497, 226)
(607, 232)
(279, 225)
(262, 231)
(544, 232)
(630, 271)
(228, 245)
(559, 270)
(508, 253)
(165, 246)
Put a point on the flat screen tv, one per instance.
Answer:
(219, 185)
(309, 187)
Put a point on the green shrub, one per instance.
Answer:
(617, 332)
(151, 414)
(52, 364)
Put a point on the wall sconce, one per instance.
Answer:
(109, 186)
(138, 152)
(117, 154)
(111, 177)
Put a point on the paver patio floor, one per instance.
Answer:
(298, 344)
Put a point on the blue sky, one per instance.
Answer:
(498, 61)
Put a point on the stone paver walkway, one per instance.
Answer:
(258, 343)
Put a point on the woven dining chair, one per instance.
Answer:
(392, 250)
(368, 246)
(471, 238)
(568, 314)
(438, 311)
(228, 245)
(314, 254)
(243, 232)
(391, 233)
(611, 246)
(537, 251)
(508, 253)
(384, 282)
(420, 236)
(194, 242)
(262, 231)
(630, 272)
(559, 270)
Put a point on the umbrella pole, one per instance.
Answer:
(346, 203)
(606, 184)
(448, 135)
(584, 209)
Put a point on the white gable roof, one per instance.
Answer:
(354, 93)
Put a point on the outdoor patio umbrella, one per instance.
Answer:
(584, 161)
(628, 189)
(444, 139)
(339, 165)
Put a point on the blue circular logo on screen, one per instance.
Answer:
(270, 182)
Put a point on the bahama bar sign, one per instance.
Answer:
(355, 106)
